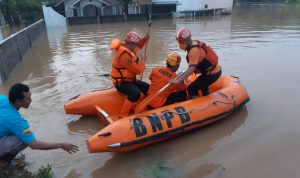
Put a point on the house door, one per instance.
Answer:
(75, 12)
(90, 10)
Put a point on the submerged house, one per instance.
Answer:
(80, 8)
(102, 11)
(185, 6)
(90, 8)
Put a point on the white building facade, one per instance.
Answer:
(98, 11)
(197, 5)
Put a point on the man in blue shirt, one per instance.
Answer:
(15, 133)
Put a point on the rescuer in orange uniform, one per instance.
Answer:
(202, 60)
(125, 66)
(160, 76)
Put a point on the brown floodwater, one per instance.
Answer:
(258, 43)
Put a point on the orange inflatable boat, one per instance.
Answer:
(150, 126)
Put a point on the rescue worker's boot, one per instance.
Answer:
(127, 106)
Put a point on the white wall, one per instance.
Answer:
(191, 5)
(52, 18)
(68, 8)
(84, 3)
(56, 35)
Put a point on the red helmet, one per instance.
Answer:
(133, 38)
(183, 35)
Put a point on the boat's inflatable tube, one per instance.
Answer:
(132, 132)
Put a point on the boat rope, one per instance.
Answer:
(180, 129)
(231, 100)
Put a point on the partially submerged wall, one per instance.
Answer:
(106, 19)
(14, 47)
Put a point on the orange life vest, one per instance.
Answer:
(160, 76)
(209, 62)
(120, 73)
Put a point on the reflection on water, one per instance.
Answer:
(258, 43)
(85, 125)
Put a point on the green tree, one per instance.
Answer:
(6, 9)
(16, 10)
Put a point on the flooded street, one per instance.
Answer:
(258, 43)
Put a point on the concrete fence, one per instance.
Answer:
(14, 47)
